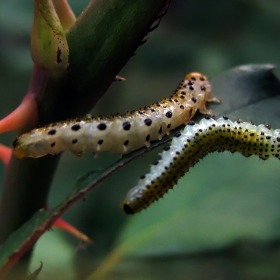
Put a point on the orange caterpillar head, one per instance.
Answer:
(196, 77)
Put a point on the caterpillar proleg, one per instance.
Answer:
(194, 143)
(120, 133)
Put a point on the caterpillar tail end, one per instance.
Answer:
(127, 209)
(18, 151)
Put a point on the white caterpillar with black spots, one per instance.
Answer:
(194, 143)
(120, 133)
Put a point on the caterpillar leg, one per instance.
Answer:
(210, 112)
(214, 99)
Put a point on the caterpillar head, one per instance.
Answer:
(199, 79)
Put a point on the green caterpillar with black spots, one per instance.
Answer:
(194, 143)
(120, 133)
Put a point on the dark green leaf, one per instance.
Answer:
(250, 93)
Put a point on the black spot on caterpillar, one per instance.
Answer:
(194, 143)
(120, 133)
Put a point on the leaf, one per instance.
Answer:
(250, 93)
(225, 197)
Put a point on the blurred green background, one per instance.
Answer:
(223, 220)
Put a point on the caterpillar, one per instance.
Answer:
(121, 132)
(194, 143)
